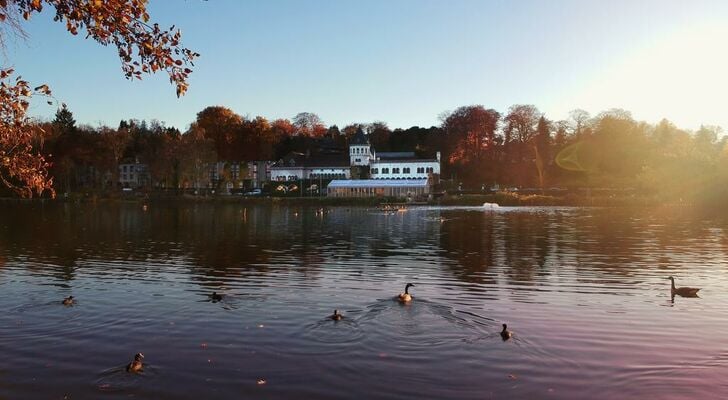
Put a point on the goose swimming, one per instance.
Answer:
(682, 291)
(336, 316)
(405, 297)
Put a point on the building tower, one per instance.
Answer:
(359, 149)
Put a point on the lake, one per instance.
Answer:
(584, 290)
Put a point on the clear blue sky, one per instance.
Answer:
(403, 61)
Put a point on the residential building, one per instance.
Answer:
(133, 174)
(259, 172)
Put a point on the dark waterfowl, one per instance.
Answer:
(336, 316)
(505, 333)
(405, 297)
(68, 301)
(682, 291)
(215, 296)
(136, 365)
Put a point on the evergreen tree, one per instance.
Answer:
(64, 121)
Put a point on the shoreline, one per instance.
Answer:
(504, 199)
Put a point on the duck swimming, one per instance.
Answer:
(68, 301)
(505, 333)
(215, 296)
(682, 291)
(336, 316)
(405, 297)
(136, 365)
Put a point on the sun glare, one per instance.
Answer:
(682, 77)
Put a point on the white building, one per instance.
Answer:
(382, 166)
(391, 165)
(403, 166)
(359, 150)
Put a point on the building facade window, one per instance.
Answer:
(375, 170)
(385, 170)
(406, 170)
(420, 170)
(395, 170)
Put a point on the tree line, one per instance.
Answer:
(480, 147)
(144, 48)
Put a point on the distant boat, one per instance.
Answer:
(490, 205)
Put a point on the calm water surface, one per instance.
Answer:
(584, 290)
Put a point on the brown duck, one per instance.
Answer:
(505, 333)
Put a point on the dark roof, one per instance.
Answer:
(294, 159)
(397, 155)
(328, 160)
(359, 138)
(391, 161)
(328, 145)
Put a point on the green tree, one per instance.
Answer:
(64, 121)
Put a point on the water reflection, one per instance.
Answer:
(585, 290)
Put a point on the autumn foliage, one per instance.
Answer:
(143, 47)
(22, 167)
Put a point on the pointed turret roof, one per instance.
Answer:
(359, 138)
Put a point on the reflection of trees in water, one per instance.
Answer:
(625, 242)
(596, 244)
(518, 244)
(214, 242)
(526, 246)
(61, 238)
(470, 242)
(217, 243)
